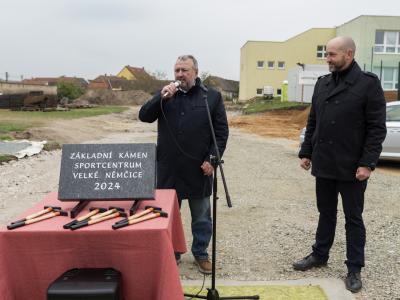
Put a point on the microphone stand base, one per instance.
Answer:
(212, 294)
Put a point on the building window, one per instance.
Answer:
(259, 92)
(279, 91)
(281, 65)
(271, 64)
(389, 78)
(387, 41)
(260, 64)
(321, 52)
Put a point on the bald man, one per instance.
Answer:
(343, 140)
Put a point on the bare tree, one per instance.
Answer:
(204, 75)
(160, 75)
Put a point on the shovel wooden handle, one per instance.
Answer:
(94, 221)
(126, 222)
(98, 220)
(144, 218)
(83, 218)
(39, 213)
(44, 217)
(106, 213)
(142, 213)
(87, 216)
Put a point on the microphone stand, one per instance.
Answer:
(216, 162)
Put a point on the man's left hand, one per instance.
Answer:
(207, 168)
(363, 173)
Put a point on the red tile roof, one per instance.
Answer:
(108, 82)
(139, 73)
(54, 80)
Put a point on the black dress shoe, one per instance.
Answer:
(353, 282)
(308, 262)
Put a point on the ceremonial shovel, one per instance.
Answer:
(110, 214)
(46, 210)
(93, 211)
(148, 209)
(156, 214)
(52, 214)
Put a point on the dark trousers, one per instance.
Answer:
(352, 193)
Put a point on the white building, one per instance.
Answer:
(301, 81)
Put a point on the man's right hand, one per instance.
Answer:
(305, 163)
(169, 90)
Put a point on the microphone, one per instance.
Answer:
(176, 83)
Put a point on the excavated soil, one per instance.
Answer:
(279, 124)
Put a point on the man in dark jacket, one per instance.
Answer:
(343, 141)
(184, 147)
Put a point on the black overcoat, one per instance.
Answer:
(346, 125)
(184, 139)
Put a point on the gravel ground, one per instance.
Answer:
(273, 218)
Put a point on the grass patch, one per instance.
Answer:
(5, 138)
(61, 115)
(6, 127)
(262, 105)
(6, 158)
(51, 145)
(9, 126)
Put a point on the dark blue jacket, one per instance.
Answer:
(185, 125)
(346, 126)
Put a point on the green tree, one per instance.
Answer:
(70, 90)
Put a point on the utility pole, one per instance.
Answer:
(302, 85)
(398, 82)
(372, 57)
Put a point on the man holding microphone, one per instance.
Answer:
(184, 147)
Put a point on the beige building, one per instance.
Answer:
(265, 63)
(378, 46)
(377, 38)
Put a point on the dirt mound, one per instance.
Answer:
(301, 118)
(279, 123)
(108, 97)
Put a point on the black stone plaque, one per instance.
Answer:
(107, 172)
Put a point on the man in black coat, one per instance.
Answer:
(184, 147)
(343, 141)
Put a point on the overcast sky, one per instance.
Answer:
(86, 38)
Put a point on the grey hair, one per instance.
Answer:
(188, 56)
